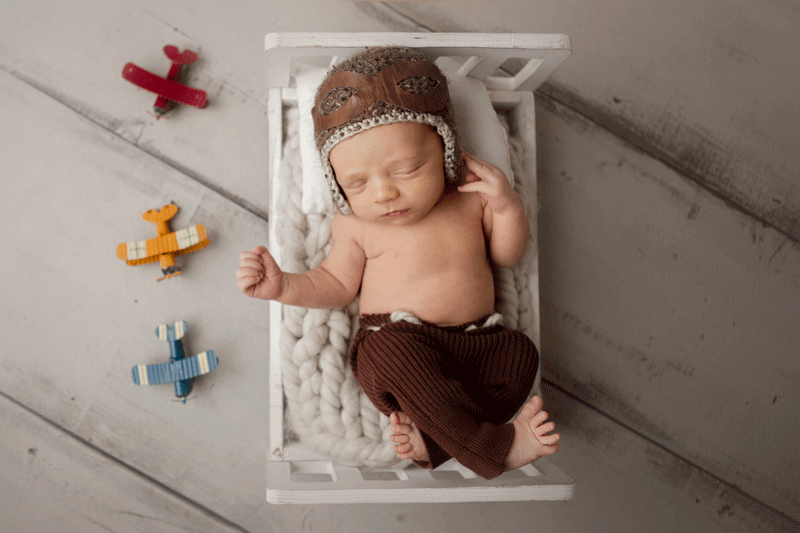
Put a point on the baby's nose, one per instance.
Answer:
(385, 192)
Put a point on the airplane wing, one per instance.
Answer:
(136, 253)
(169, 89)
(191, 239)
(179, 242)
(187, 368)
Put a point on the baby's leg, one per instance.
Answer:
(400, 372)
(409, 443)
(531, 439)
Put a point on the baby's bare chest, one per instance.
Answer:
(437, 270)
(450, 238)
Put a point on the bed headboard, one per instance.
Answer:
(530, 57)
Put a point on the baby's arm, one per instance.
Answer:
(334, 283)
(504, 220)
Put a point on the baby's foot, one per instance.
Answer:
(407, 438)
(530, 436)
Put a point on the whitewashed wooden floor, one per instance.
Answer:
(666, 264)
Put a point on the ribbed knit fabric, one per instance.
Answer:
(459, 387)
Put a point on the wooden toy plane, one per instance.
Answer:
(167, 245)
(180, 369)
(168, 89)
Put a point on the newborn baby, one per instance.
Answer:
(420, 223)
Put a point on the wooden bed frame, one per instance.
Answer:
(294, 473)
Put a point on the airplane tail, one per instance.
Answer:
(161, 215)
(168, 333)
(176, 56)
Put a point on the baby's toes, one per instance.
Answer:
(403, 448)
(544, 428)
(531, 408)
(400, 438)
(401, 429)
(550, 440)
(549, 450)
(403, 418)
(401, 424)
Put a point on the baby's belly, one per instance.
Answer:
(444, 298)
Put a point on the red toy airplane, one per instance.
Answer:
(168, 89)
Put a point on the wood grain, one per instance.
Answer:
(706, 88)
(52, 482)
(83, 159)
(670, 293)
(83, 318)
(667, 308)
(76, 56)
(99, 316)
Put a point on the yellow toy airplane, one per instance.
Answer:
(167, 245)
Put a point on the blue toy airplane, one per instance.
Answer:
(180, 369)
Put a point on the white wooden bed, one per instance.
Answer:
(297, 474)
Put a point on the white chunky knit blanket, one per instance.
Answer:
(325, 406)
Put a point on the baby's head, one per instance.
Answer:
(384, 86)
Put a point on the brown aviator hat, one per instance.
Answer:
(382, 86)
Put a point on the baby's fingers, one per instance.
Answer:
(262, 255)
(469, 157)
(247, 271)
(258, 252)
(251, 261)
(479, 187)
(246, 279)
(259, 258)
(479, 166)
(250, 257)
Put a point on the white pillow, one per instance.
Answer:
(478, 126)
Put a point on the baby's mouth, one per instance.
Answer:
(394, 214)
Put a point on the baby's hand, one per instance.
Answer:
(258, 275)
(491, 183)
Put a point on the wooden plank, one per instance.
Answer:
(53, 482)
(80, 327)
(726, 135)
(669, 309)
(223, 145)
(85, 491)
(707, 87)
(81, 318)
(98, 322)
(623, 483)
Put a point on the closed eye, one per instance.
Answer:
(355, 185)
(410, 172)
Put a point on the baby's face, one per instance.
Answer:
(391, 174)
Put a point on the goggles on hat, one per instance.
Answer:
(386, 86)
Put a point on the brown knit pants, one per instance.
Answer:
(459, 387)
